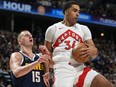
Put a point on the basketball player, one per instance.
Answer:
(27, 67)
(63, 37)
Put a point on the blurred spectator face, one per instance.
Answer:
(41, 10)
(9, 85)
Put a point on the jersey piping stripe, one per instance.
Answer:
(80, 82)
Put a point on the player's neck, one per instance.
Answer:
(27, 51)
(67, 23)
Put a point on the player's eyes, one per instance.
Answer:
(75, 10)
(27, 35)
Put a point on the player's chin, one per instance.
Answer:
(31, 44)
(75, 20)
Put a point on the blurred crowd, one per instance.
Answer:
(105, 63)
(105, 8)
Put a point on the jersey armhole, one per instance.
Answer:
(22, 58)
(39, 54)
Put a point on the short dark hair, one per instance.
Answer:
(68, 4)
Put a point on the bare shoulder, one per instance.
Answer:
(16, 56)
(15, 61)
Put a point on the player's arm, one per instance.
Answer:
(47, 65)
(49, 35)
(49, 47)
(91, 50)
(18, 70)
(43, 49)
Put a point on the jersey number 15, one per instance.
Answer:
(35, 76)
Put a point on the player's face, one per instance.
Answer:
(26, 39)
(72, 14)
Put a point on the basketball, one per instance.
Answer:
(76, 53)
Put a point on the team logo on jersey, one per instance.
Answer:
(37, 67)
(65, 35)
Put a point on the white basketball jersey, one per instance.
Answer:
(65, 38)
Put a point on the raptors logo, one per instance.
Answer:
(65, 35)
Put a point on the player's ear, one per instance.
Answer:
(19, 41)
(66, 12)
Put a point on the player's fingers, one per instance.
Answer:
(42, 59)
(83, 49)
(83, 59)
(48, 57)
(46, 75)
(48, 84)
(84, 56)
(43, 49)
(83, 53)
(46, 81)
(87, 44)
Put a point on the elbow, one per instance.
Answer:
(16, 74)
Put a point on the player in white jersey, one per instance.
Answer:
(63, 37)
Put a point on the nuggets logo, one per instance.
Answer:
(38, 67)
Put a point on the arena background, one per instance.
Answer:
(13, 20)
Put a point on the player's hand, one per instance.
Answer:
(84, 56)
(91, 50)
(80, 54)
(44, 58)
(46, 78)
(83, 52)
(43, 49)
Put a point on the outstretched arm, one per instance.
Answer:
(18, 70)
(43, 49)
(47, 65)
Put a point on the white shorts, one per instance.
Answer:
(85, 77)
(69, 76)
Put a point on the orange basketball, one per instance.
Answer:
(76, 54)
